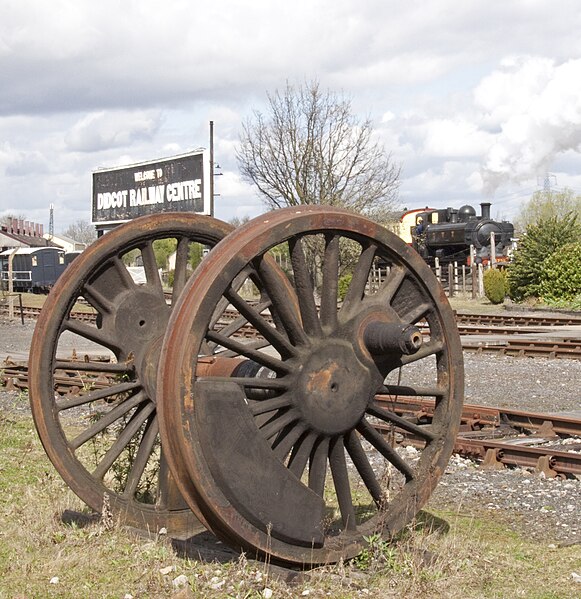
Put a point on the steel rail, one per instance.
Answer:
(478, 437)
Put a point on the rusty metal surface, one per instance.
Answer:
(115, 450)
(312, 429)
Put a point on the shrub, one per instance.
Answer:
(495, 285)
(343, 285)
(539, 242)
(561, 275)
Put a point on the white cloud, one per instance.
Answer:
(115, 129)
(455, 138)
(453, 87)
(537, 105)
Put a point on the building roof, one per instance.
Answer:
(25, 251)
(28, 240)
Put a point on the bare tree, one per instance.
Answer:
(5, 220)
(311, 149)
(545, 205)
(237, 221)
(81, 231)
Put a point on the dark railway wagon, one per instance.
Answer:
(33, 269)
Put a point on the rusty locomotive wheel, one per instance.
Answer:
(104, 440)
(292, 450)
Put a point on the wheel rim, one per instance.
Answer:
(113, 448)
(286, 460)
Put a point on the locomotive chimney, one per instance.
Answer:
(485, 209)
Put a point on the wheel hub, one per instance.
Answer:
(334, 388)
(141, 317)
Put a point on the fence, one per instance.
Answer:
(460, 279)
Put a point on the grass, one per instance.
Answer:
(444, 554)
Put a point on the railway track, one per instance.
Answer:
(468, 325)
(471, 322)
(496, 437)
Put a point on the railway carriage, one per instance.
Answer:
(33, 269)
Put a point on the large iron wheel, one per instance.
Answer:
(104, 439)
(291, 451)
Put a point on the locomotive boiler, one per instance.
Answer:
(449, 233)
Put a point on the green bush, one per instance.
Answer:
(343, 285)
(495, 287)
(539, 242)
(561, 275)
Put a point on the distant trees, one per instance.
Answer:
(237, 221)
(6, 219)
(310, 149)
(544, 205)
(81, 231)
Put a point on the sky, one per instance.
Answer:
(477, 101)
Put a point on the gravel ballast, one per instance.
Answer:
(547, 510)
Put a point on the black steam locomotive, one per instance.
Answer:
(448, 234)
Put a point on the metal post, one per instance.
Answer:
(11, 286)
(492, 249)
(473, 271)
(211, 168)
(21, 310)
(450, 280)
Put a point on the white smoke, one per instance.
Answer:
(533, 108)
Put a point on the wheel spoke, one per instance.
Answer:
(133, 426)
(144, 452)
(340, 476)
(278, 422)
(281, 302)
(150, 267)
(428, 349)
(94, 334)
(108, 419)
(105, 367)
(304, 288)
(360, 277)
(243, 350)
(400, 422)
(287, 438)
(180, 272)
(318, 466)
(386, 450)
(364, 468)
(99, 301)
(389, 288)
(417, 313)
(300, 454)
(68, 403)
(329, 290)
(253, 316)
(270, 405)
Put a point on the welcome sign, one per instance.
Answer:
(176, 184)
